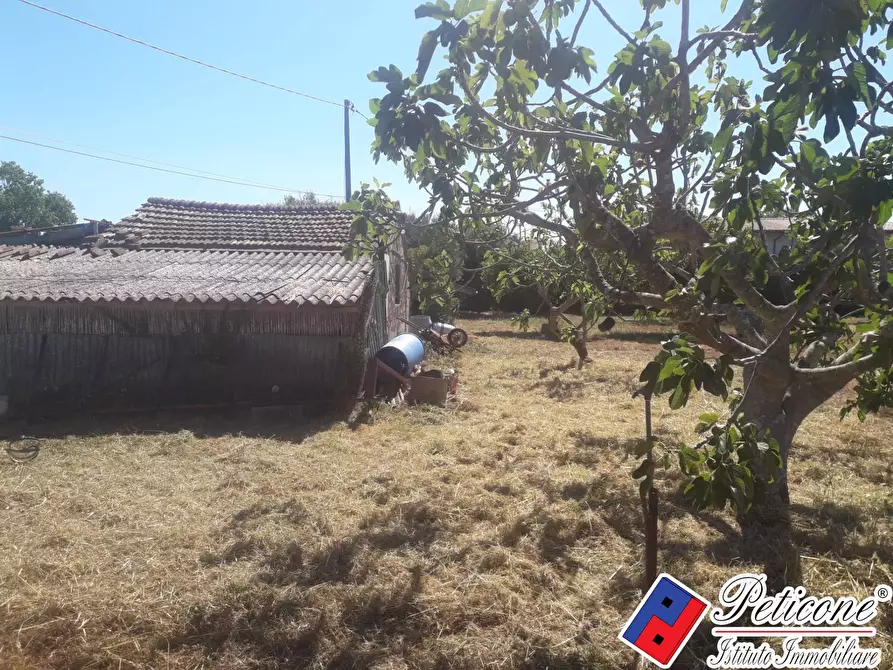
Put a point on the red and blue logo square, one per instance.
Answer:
(664, 621)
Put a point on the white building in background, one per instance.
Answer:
(778, 234)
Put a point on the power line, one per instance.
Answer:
(226, 180)
(17, 131)
(188, 59)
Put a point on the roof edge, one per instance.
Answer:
(236, 207)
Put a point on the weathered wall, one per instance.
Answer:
(390, 302)
(398, 289)
(376, 324)
(56, 358)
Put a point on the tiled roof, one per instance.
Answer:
(186, 224)
(116, 274)
(774, 224)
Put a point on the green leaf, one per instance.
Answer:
(671, 367)
(650, 373)
(785, 116)
(646, 469)
(709, 418)
(465, 7)
(680, 396)
(706, 267)
(645, 487)
(722, 139)
(588, 56)
(740, 500)
(440, 9)
(847, 113)
(436, 110)
(884, 212)
(426, 51)
(491, 14)
(832, 127)
(661, 47)
(860, 74)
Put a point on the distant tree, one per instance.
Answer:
(436, 259)
(24, 202)
(308, 199)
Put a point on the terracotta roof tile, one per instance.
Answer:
(163, 223)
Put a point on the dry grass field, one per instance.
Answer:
(500, 532)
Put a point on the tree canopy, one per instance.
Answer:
(665, 160)
(307, 199)
(25, 203)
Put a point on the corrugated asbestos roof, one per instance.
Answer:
(163, 223)
(114, 274)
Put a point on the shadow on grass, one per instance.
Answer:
(345, 612)
(567, 367)
(640, 337)
(562, 390)
(285, 615)
(511, 334)
(269, 423)
(833, 530)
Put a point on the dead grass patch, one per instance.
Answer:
(501, 531)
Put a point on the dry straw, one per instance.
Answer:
(502, 531)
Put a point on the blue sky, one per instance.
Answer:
(67, 81)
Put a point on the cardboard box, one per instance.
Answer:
(430, 390)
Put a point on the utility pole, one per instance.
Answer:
(348, 192)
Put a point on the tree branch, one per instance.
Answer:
(537, 221)
(616, 26)
(561, 133)
(720, 35)
(814, 295)
(740, 15)
(679, 225)
(822, 383)
(586, 98)
(580, 23)
(682, 59)
(615, 294)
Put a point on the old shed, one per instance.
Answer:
(195, 304)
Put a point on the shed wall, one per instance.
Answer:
(390, 301)
(376, 324)
(398, 289)
(57, 358)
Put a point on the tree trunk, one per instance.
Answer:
(766, 527)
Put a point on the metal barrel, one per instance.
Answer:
(402, 353)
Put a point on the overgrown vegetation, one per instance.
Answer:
(500, 531)
(665, 160)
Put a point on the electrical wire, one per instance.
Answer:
(226, 180)
(18, 131)
(189, 59)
